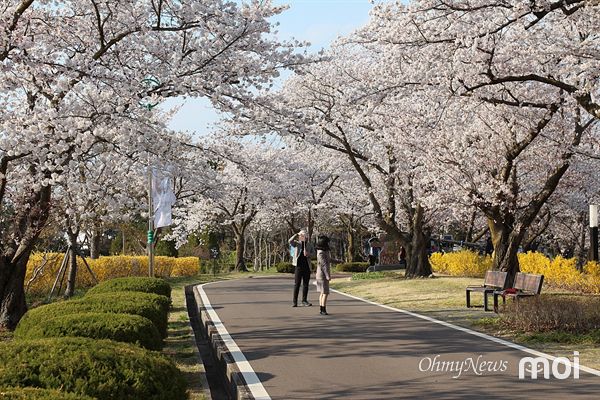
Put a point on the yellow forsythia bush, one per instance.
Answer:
(592, 277)
(437, 262)
(42, 269)
(185, 266)
(534, 263)
(560, 272)
(460, 263)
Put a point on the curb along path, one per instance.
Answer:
(363, 350)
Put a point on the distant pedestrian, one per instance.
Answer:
(402, 255)
(375, 247)
(489, 246)
(323, 271)
(301, 262)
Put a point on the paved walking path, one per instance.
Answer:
(364, 351)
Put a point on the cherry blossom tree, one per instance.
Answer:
(71, 76)
(502, 147)
(346, 107)
(489, 48)
(306, 179)
(240, 182)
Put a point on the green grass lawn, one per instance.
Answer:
(443, 298)
(427, 294)
(180, 344)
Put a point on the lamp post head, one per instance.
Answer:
(150, 83)
(593, 215)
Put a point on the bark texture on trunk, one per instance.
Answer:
(72, 276)
(15, 255)
(351, 251)
(240, 264)
(506, 248)
(581, 256)
(95, 244)
(12, 292)
(418, 255)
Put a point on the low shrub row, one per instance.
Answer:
(16, 393)
(120, 327)
(101, 369)
(561, 273)
(284, 268)
(151, 306)
(460, 263)
(76, 346)
(352, 267)
(288, 268)
(133, 284)
(42, 269)
(553, 313)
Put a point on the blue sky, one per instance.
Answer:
(316, 21)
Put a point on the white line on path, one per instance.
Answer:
(469, 331)
(252, 381)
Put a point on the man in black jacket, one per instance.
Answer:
(302, 251)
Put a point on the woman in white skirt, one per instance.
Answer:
(323, 271)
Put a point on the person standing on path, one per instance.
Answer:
(323, 271)
(402, 256)
(301, 262)
(375, 249)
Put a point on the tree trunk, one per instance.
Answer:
(351, 254)
(266, 254)
(260, 246)
(311, 224)
(13, 263)
(12, 292)
(240, 264)
(418, 256)
(469, 236)
(256, 255)
(95, 244)
(70, 290)
(581, 259)
(506, 249)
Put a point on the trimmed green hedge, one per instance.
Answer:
(352, 267)
(152, 306)
(103, 369)
(38, 394)
(133, 284)
(127, 328)
(284, 268)
(288, 268)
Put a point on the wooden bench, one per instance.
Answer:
(525, 285)
(493, 281)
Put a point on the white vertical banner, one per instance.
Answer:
(162, 197)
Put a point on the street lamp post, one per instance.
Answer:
(593, 232)
(150, 224)
(149, 84)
